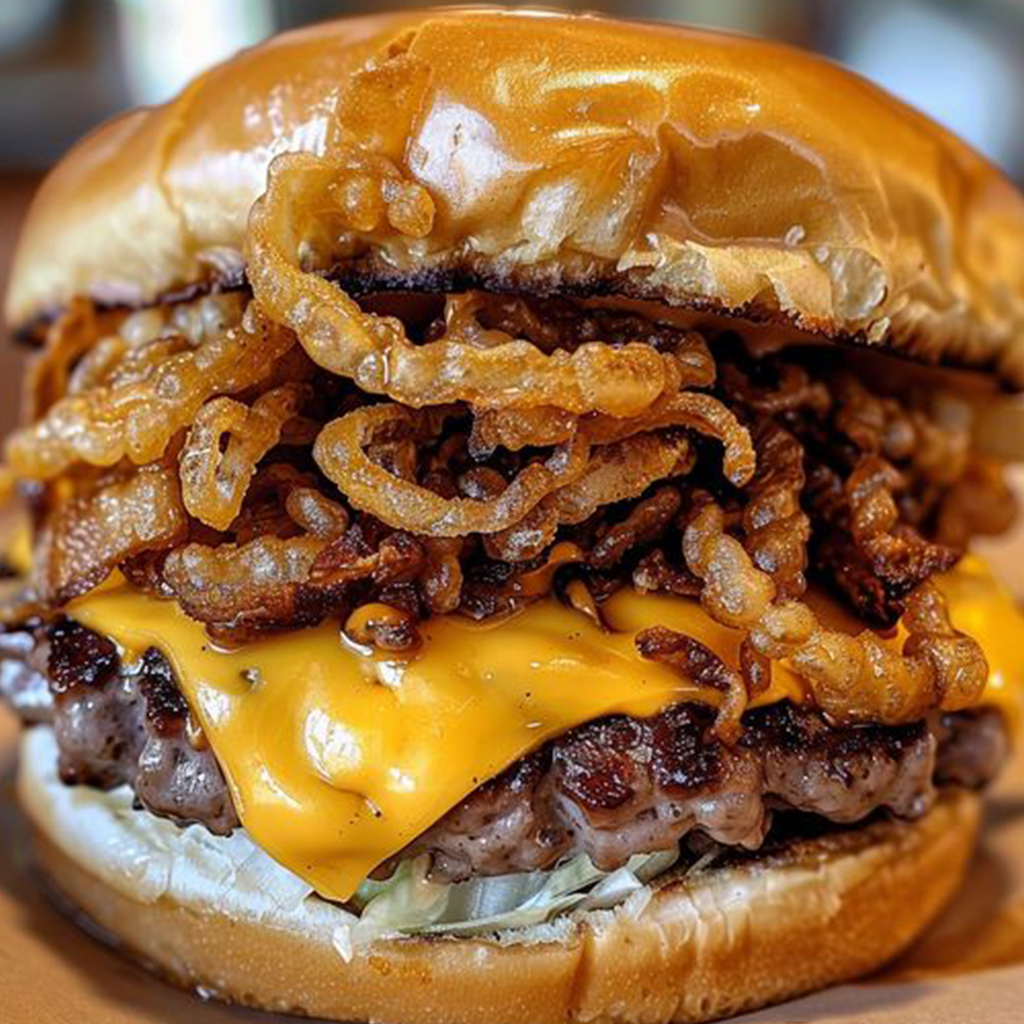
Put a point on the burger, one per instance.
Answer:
(498, 491)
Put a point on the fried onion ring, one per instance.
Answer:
(258, 585)
(623, 469)
(694, 411)
(369, 194)
(340, 453)
(776, 527)
(215, 476)
(852, 678)
(517, 428)
(91, 535)
(705, 668)
(137, 419)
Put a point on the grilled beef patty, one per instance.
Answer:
(610, 788)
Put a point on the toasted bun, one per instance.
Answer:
(704, 946)
(717, 173)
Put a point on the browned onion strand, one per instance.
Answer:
(137, 419)
(91, 535)
(340, 453)
(647, 521)
(705, 668)
(515, 428)
(776, 527)
(215, 476)
(755, 668)
(881, 425)
(655, 574)
(276, 582)
(368, 194)
(250, 586)
(398, 558)
(693, 410)
(795, 389)
(980, 502)
(317, 514)
(266, 509)
(442, 575)
(49, 375)
(897, 552)
(617, 471)
(852, 678)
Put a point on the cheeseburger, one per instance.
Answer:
(498, 494)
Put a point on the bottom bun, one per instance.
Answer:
(705, 945)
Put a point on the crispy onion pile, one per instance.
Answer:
(272, 457)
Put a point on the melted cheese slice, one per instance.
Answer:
(336, 760)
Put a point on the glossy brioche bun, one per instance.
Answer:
(704, 946)
(717, 173)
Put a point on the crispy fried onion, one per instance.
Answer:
(692, 410)
(623, 469)
(777, 529)
(340, 451)
(517, 428)
(705, 668)
(317, 514)
(656, 574)
(254, 585)
(49, 374)
(368, 196)
(136, 417)
(696, 411)
(852, 678)
(441, 578)
(898, 554)
(127, 513)
(277, 582)
(265, 509)
(794, 389)
(522, 517)
(215, 473)
(646, 522)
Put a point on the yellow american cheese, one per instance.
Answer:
(337, 759)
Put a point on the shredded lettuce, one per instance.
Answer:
(409, 903)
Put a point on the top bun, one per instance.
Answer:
(719, 174)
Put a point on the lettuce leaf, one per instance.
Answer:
(409, 903)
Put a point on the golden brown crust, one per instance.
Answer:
(712, 172)
(705, 946)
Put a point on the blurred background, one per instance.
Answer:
(65, 65)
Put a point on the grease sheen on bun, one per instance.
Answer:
(716, 173)
(704, 946)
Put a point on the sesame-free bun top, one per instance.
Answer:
(720, 174)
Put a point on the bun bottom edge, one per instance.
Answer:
(705, 946)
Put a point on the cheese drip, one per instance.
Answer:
(337, 759)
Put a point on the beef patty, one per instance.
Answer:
(610, 788)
